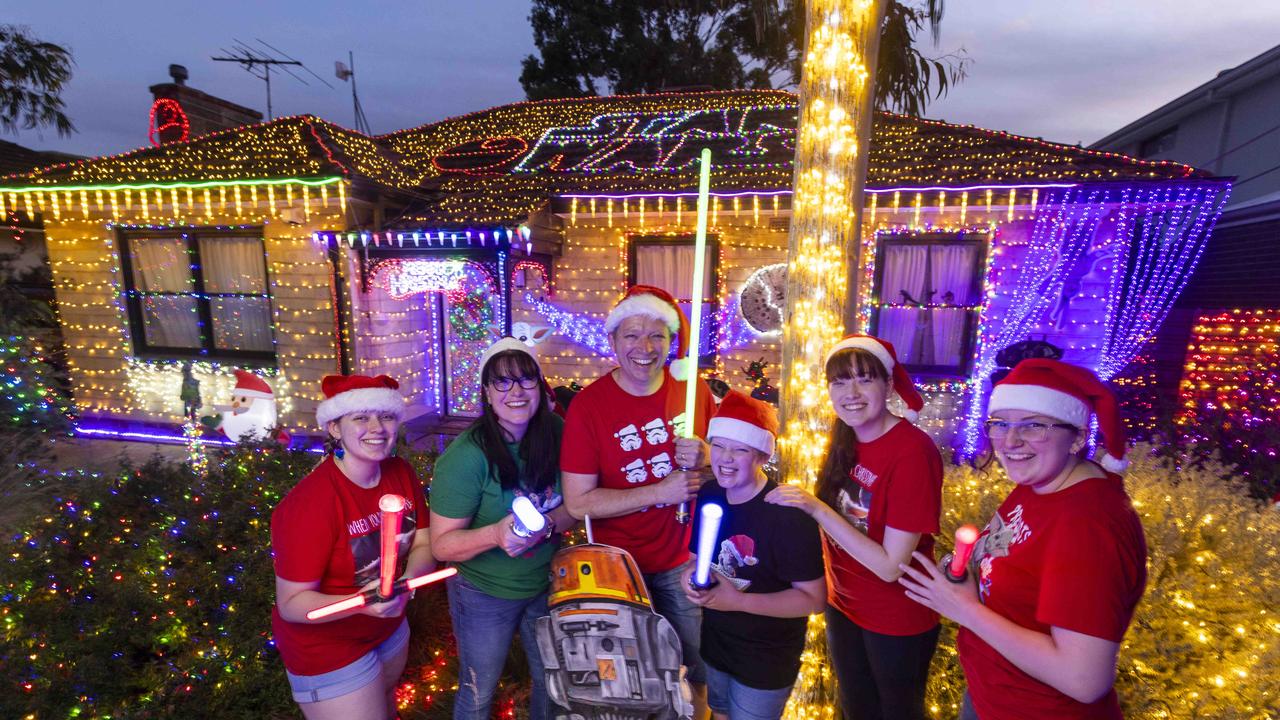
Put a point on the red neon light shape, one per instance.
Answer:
(167, 115)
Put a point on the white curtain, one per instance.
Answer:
(163, 265)
(904, 269)
(952, 269)
(670, 267)
(236, 265)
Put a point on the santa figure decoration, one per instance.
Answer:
(252, 412)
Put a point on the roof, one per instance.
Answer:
(498, 165)
(15, 158)
(1227, 82)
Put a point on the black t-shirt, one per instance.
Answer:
(761, 548)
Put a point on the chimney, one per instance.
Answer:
(180, 112)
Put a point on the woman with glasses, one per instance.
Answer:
(1062, 564)
(512, 450)
(879, 497)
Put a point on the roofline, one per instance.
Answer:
(1206, 93)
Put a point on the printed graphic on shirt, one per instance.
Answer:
(736, 553)
(660, 465)
(635, 471)
(995, 543)
(544, 502)
(629, 438)
(856, 511)
(366, 543)
(655, 431)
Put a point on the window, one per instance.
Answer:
(1161, 142)
(928, 291)
(198, 294)
(667, 263)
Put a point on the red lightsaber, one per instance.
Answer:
(957, 563)
(392, 509)
(369, 596)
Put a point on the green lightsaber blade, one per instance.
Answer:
(695, 311)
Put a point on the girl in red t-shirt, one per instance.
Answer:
(1059, 569)
(878, 499)
(325, 544)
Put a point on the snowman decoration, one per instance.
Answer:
(252, 412)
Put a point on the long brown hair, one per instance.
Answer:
(842, 445)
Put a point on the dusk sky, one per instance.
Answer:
(1066, 71)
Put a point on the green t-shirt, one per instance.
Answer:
(467, 486)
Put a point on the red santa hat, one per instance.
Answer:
(652, 302)
(888, 357)
(1067, 393)
(252, 386)
(345, 394)
(745, 419)
(745, 548)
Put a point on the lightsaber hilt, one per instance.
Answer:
(955, 565)
(371, 596)
(391, 507)
(709, 517)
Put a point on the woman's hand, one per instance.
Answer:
(932, 589)
(794, 496)
(511, 543)
(387, 608)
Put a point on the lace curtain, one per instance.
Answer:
(670, 267)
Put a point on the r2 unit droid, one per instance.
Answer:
(608, 655)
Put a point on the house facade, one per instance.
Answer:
(298, 248)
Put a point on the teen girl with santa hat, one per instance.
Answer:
(878, 500)
(325, 544)
(1061, 566)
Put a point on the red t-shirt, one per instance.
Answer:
(1074, 559)
(896, 483)
(628, 442)
(327, 529)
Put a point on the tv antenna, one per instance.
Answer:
(258, 63)
(348, 72)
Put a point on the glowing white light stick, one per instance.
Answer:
(528, 521)
(695, 307)
(708, 528)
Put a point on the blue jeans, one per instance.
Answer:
(727, 696)
(966, 709)
(671, 603)
(347, 679)
(484, 626)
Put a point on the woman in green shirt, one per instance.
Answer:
(511, 450)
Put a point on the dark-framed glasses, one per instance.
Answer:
(1029, 430)
(503, 384)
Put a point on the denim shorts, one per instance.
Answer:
(667, 593)
(349, 678)
(727, 696)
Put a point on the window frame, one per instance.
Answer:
(711, 295)
(979, 240)
(207, 350)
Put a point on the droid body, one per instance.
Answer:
(608, 655)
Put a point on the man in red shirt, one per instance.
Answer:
(623, 457)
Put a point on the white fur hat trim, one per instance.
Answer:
(380, 399)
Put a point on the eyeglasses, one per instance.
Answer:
(1029, 430)
(503, 384)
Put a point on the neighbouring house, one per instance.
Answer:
(1219, 349)
(300, 248)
